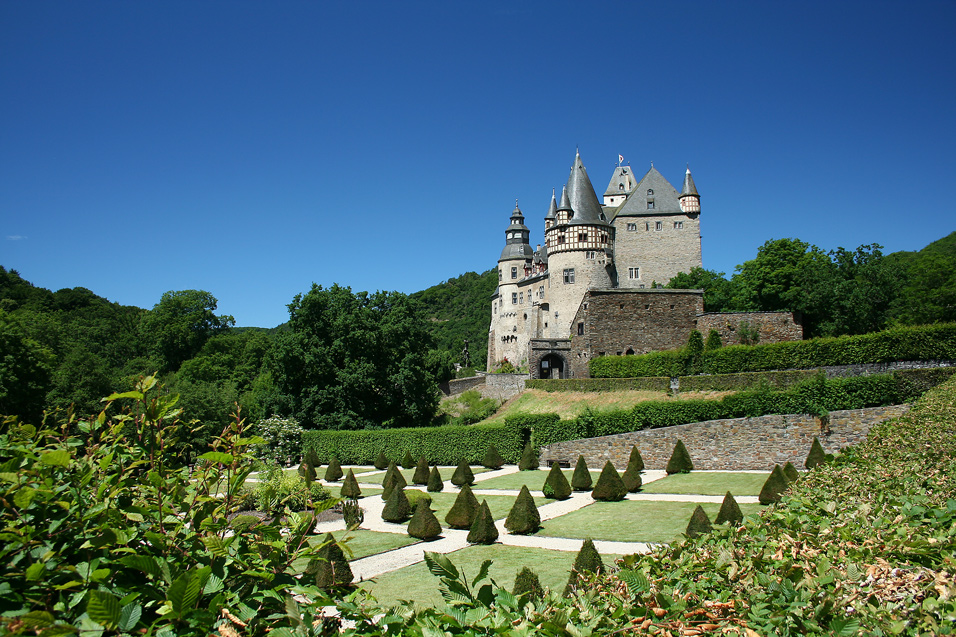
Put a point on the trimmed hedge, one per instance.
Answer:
(919, 343)
(746, 380)
(659, 383)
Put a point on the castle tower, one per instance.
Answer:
(508, 337)
(621, 185)
(689, 199)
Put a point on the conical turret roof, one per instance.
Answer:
(516, 238)
(689, 187)
(553, 208)
(587, 209)
(565, 200)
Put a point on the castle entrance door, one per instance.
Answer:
(552, 366)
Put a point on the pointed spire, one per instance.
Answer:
(565, 201)
(689, 187)
(584, 203)
(553, 208)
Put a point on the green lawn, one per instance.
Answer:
(363, 544)
(709, 483)
(534, 480)
(446, 473)
(500, 505)
(417, 583)
(631, 521)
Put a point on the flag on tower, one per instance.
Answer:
(620, 159)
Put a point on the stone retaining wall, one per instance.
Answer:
(461, 385)
(504, 386)
(734, 444)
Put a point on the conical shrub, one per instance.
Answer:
(524, 518)
(588, 560)
(464, 511)
(774, 487)
(791, 472)
(581, 478)
(527, 584)
(333, 473)
(350, 486)
(729, 511)
(393, 478)
(636, 459)
(381, 462)
(463, 475)
(407, 461)
(680, 461)
(329, 568)
(632, 478)
(435, 483)
(493, 459)
(421, 472)
(483, 530)
(816, 455)
(609, 487)
(424, 525)
(529, 458)
(699, 523)
(556, 485)
(307, 471)
(397, 508)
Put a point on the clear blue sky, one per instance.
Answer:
(251, 148)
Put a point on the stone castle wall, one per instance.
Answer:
(504, 386)
(773, 327)
(660, 254)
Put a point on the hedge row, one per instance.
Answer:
(745, 380)
(656, 383)
(920, 343)
(814, 396)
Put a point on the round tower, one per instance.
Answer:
(507, 338)
(689, 199)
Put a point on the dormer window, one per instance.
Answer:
(650, 204)
(620, 186)
(650, 192)
(514, 273)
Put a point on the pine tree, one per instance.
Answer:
(680, 461)
(435, 483)
(636, 459)
(424, 525)
(381, 462)
(791, 472)
(483, 530)
(816, 455)
(330, 568)
(529, 459)
(463, 475)
(609, 487)
(421, 472)
(527, 583)
(524, 518)
(729, 511)
(397, 508)
(408, 462)
(333, 472)
(556, 485)
(393, 478)
(463, 512)
(493, 459)
(632, 478)
(350, 487)
(699, 523)
(587, 561)
(581, 478)
(774, 487)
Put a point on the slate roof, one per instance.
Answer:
(622, 176)
(665, 197)
(516, 247)
(689, 187)
(587, 209)
(553, 208)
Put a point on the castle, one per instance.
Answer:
(595, 287)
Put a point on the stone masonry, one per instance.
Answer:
(773, 327)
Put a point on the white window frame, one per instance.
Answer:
(569, 276)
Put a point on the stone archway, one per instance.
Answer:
(552, 366)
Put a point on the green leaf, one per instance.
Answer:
(176, 594)
(24, 497)
(104, 609)
(37, 619)
(217, 456)
(129, 617)
(135, 395)
(215, 545)
(440, 566)
(35, 571)
(213, 585)
(636, 582)
(141, 563)
(482, 572)
(56, 458)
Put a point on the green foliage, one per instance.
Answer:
(483, 530)
(632, 477)
(281, 441)
(492, 459)
(791, 472)
(330, 569)
(746, 380)
(609, 487)
(695, 353)
(718, 291)
(556, 485)
(277, 490)
(424, 525)
(333, 473)
(523, 519)
(680, 461)
(393, 479)
(528, 585)
(505, 367)
(635, 459)
(352, 513)
(307, 472)
(581, 478)
(928, 293)
(26, 370)
(463, 475)
(397, 507)
(464, 511)
(407, 461)
(180, 324)
(659, 383)
(415, 496)
(699, 523)
(588, 561)
(381, 462)
(350, 487)
(435, 482)
(774, 487)
(816, 456)
(421, 472)
(468, 408)
(713, 341)
(529, 458)
(729, 511)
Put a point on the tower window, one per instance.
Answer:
(647, 226)
(541, 292)
(633, 273)
(569, 275)
(620, 186)
(560, 238)
(589, 255)
(580, 329)
(650, 193)
(499, 275)
(514, 271)
(659, 225)
(650, 205)
(514, 298)
(603, 238)
(521, 298)
(632, 227)
(582, 236)
(678, 225)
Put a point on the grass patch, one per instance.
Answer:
(363, 544)
(500, 505)
(417, 583)
(631, 521)
(534, 480)
(709, 483)
(446, 473)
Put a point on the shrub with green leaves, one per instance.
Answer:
(277, 489)
(424, 525)
(393, 478)
(463, 475)
(421, 472)
(527, 584)
(408, 462)
(791, 472)
(556, 485)
(352, 513)
(729, 511)
(464, 511)
(329, 569)
(435, 482)
(529, 459)
(632, 478)
(333, 473)
(381, 462)
(588, 561)
(281, 440)
(415, 496)
(816, 456)
(699, 523)
(523, 519)
(774, 487)
(397, 507)
(350, 486)
(680, 461)
(483, 529)
(492, 459)
(581, 478)
(609, 487)
(635, 459)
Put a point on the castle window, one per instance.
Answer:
(582, 236)
(569, 275)
(650, 193)
(521, 298)
(541, 292)
(580, 329)
(641, 286)
(499, 275)
(678, 225)
(589, 255)
(620, 186)
(495, 310)
(514, 271)
(561, 238)
(647, 226)
(514, 298)
(659, 225)
(632, 227)
(603, 238)
(633, 273)
(650, 205)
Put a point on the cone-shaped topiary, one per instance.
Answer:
(529, 458)
(774, 487)
(483, 530)
(632, 478)
(415, 496)
(333, 473)
(791, 472)
(463, 475)
(463, 513)
(636, 459)
(556, 485)
(330, 568)
(421, 472)
(816, 455)
(393, 478)
(350, 486)
(307, 471)
(680, 461)
(407, 461)
(524, 518)
(435, 483)
(729, 511)
(699, 523)
(424, 525)
(381, 462)
(493, 459)
(609, 487)
(713, 341)
(581, 478)
(527, 583)
(587, 561)
(398, 508)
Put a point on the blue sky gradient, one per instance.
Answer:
(252, 148)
